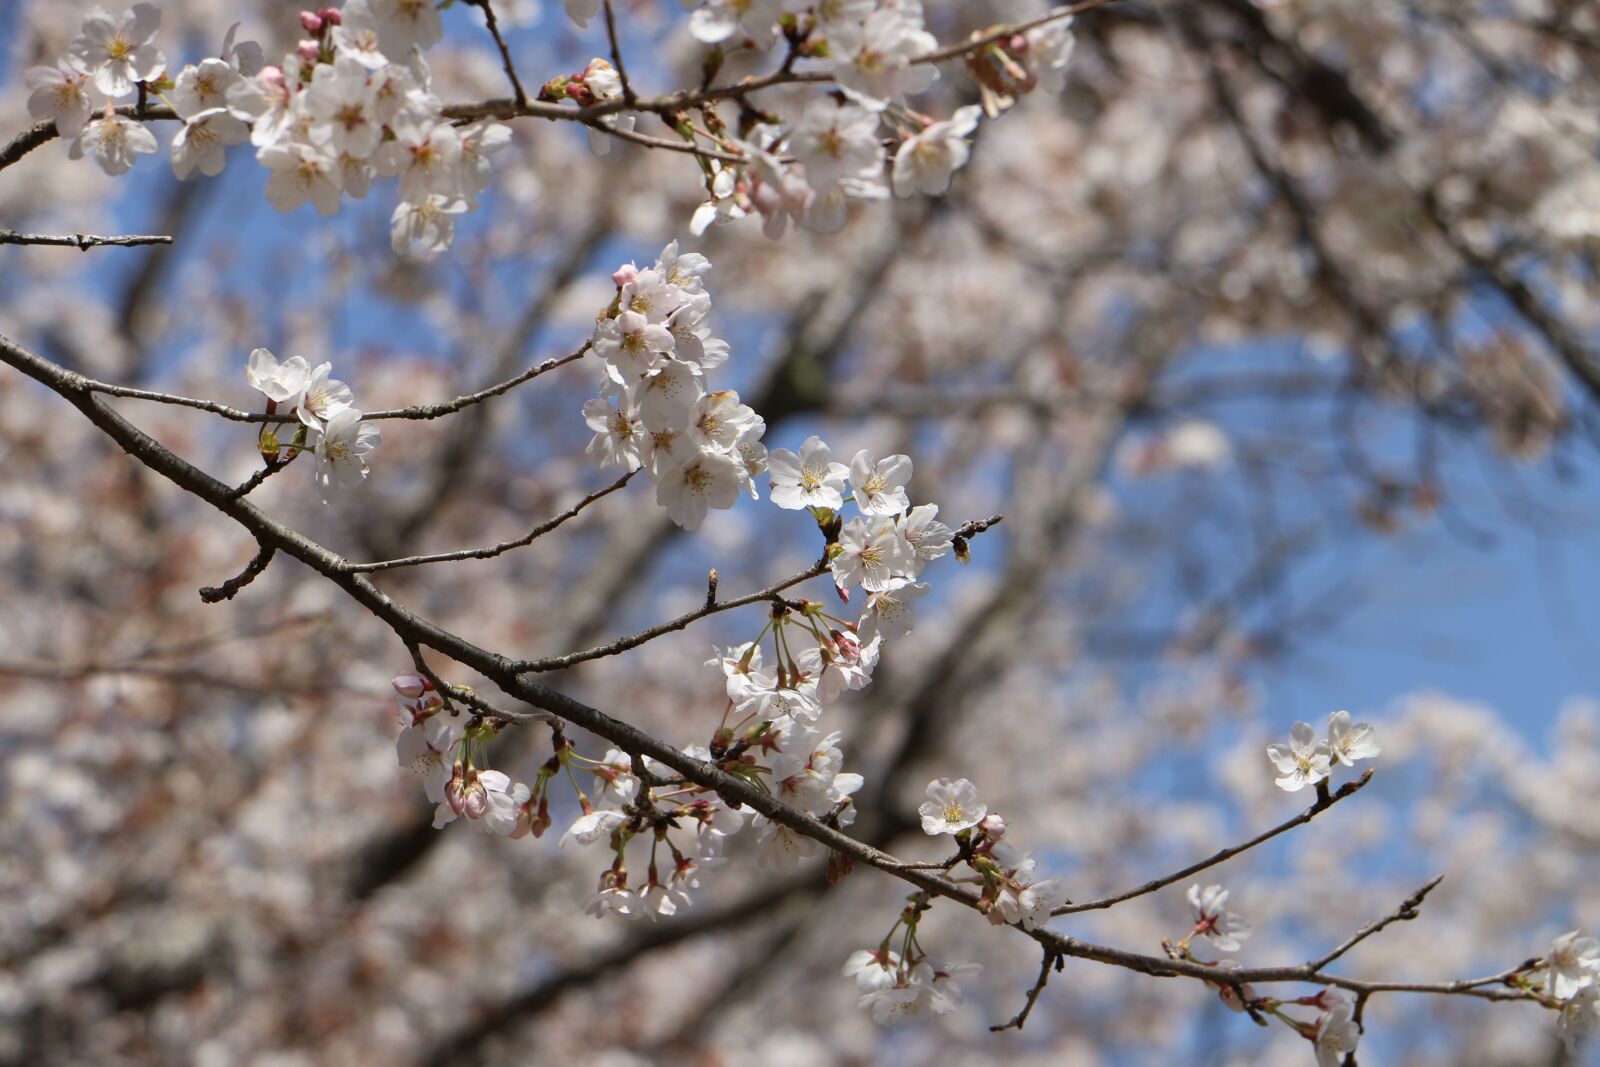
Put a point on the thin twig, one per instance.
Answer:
(1051, 960)
(490, 551)
(616, 56)
(623, 644)
(505, 52)
(1404, 913)
(215, 594)
(415, 412)
(81, 241)
(1348, 789)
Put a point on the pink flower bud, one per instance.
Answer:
(1018, 44)
(311, 22)
(411, 686)
(625, 274)
(454, 790)
(844, 594)
(271, 75)
(308, 51)
(476, 800)
(330, 16)
(993, 826)
(849, 646)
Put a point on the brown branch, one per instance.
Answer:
(490, 551)
(1322, 805)
(81, 241)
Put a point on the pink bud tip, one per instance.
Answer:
(844, 594)
(311, 22)
(271, 75)
(308, 51)
(330, 16)
(625, 275)
(411, 686)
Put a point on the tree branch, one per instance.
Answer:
(1322, 805)
(81, 241)
(216, 594)
(490, 551)
(416, 632)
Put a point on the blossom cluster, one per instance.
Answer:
(352, 102)
(702, 448)
(1307, 759)
(330, 426)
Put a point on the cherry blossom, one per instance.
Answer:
(114, 141)
(880, 485)
(1573, 963)
(808, 480)
(119, 54)
(203, 86)
(1212, 921)
(926, 161)
(202, 142)
(325, 396)
(281, 382)
(710, 480)
(872, 554)
(1338, 1034)
(1302, 762)
(1348, 743)
(342, 446)
(952, 806)
(59, 96)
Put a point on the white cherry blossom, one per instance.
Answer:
(1348, 743)
(926, 161)
(283, 382)
(113, 141)
(880, 485)
(952, 806)
(60, 96)
(1338, 1034)
(342, 447)
(1224, 929)
(808, 480)
(118, 53)
(1303, 761)
(710, 480)
(202, 142)
(203, 86)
